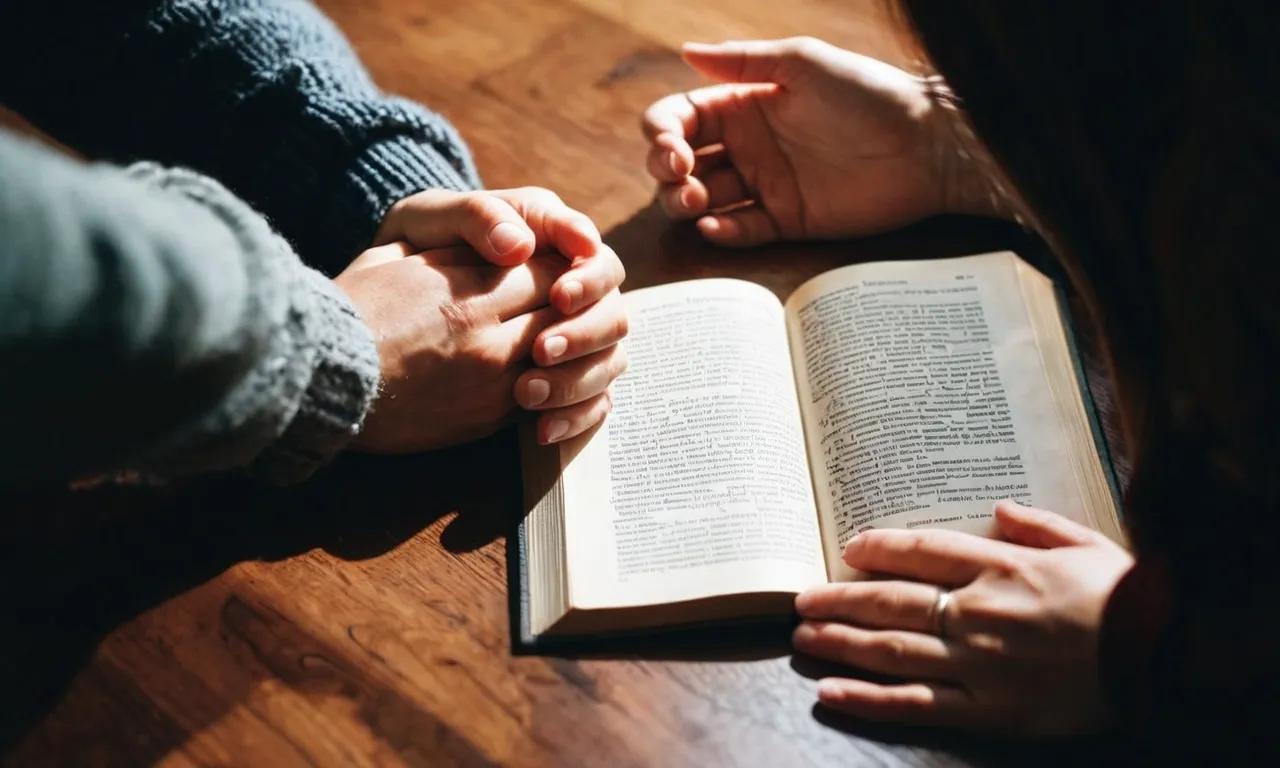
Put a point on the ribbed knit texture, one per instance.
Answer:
(152, 322)
(264, 95)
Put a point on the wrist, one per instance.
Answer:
(345, 380)
(969, 180)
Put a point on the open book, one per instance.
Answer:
(750, 440)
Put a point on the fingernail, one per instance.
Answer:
(716, 227)
(556, 430)
(674, 162)
(804, 601)
(573, 291)
(536, 392)
(555, 347)
(828, 690)
(853, 551)
(686, 198)
(505, 238)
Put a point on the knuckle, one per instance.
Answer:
(620, 328)
(914, 704)
(969, 607)
(460, 316)
(609, 257)
(874, 538)
(1009, 568)
(891, 648)
(620, 364)
(886, 605)
(992, 621)
(540, 194)
(890, 537)
(923, 543)
(803, 46)
(580, 219)
(476, 206)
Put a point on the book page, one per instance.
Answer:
(697, 484)
(926, 399)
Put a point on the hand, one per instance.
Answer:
(822, 142)
(507, 227)
(1019, 654)
(455, 336)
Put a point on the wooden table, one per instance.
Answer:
(364, 620)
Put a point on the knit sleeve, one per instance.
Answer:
(150, 322)
(267, 96)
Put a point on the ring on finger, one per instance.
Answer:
(939, 613)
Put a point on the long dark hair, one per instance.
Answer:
(1147, 144)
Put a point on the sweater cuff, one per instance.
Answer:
(342, 389)
(384, 173)
(1134, 640)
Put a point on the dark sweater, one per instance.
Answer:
(149, 319)
(266, 96)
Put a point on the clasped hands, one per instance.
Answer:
(481, 302)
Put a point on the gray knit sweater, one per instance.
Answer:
(151, 319)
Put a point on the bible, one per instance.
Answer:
(750, 439)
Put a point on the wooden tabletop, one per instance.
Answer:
(364, 619)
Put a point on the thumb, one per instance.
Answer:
(753, 61)
(441, 219)
(1040, 528)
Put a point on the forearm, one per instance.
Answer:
(152, 322)
(264, 95)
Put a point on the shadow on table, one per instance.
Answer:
(1091, 751)
(742, 641)
(75, 565)
(656, 252)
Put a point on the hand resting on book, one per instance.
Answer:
(1018, 648)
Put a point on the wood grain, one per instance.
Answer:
(364, 620)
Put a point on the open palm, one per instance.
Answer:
(801, 140)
